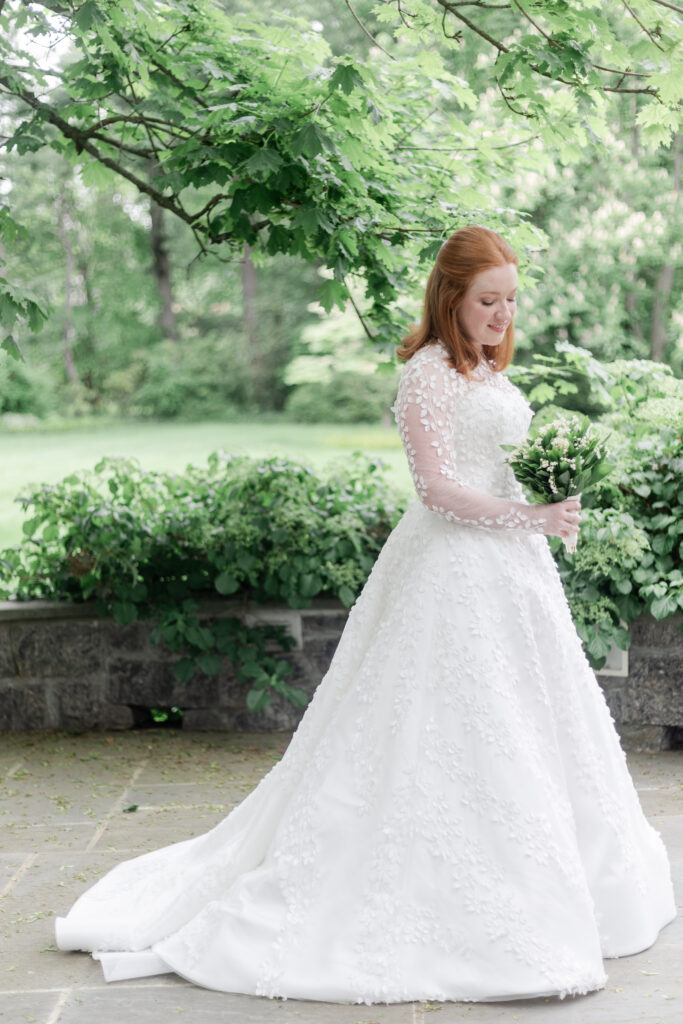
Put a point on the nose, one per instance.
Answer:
(501, 312)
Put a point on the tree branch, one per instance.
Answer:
(536, 26)
(153, 59)
(451, 7)
(404, 15)
(120, 144)
(369, 34)
(480, 3)
(672, 7)
(169, 126)
(468, 149)
(413, 128)
(617, 71)
(82, 142)
(647, 92)
(360, 316)
(508, 104)
(645, 30)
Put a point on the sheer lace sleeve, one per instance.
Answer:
(423, 411)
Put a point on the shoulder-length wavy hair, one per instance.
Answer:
(464, 255)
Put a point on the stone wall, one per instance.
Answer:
(647, 704)
(63, 667)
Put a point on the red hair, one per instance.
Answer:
(464, 255)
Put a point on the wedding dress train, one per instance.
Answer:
(453, 818)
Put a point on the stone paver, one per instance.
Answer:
(65, 818)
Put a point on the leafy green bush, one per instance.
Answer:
(630, 551)
(25, 389)
(147, 545)
(599, 579)
(204, 378)
(346, 398)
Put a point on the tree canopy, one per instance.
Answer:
(250, 131)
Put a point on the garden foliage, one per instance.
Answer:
(149, 545)
(630, 553)
(250, 131)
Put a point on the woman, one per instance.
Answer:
(453, 818)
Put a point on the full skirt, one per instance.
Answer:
(453, 819)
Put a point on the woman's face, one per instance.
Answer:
(489, 305)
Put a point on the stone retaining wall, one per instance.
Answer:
(63, 667)
(647, 704)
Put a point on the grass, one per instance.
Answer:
(46, 455)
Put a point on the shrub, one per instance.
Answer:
(147, 545)
(200, 378)
(630, 553)
(25, 389)
(346, 398)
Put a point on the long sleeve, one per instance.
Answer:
(423, 410)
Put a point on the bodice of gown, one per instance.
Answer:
(452, 428)
(487, 412)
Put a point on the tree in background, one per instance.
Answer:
(257, 140)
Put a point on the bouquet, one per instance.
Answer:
(561, 460)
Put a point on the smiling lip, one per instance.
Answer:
(498, 327)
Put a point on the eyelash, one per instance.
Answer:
(485, 303)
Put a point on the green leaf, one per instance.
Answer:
(663, 606)
(346, 78)
(332, 293)
(184, 669)
(310, 584)
(598, 646)
(124, 612)
(10, 346)
(96, 175)
(346, 596)
(662, 543)
(298, 697)
(86, 15)
(542, 394)
(210, 663)
(226, 583)
(311, 140)
(263, 162)
(246, 562)
(257, 699)
(623, 586)
(29, 526)
(51, 532)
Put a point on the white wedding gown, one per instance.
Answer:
(453, 818)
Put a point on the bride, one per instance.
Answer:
(453, 818)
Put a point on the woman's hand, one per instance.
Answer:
(563, 517)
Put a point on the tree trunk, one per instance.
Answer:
(660, 307)
(665, 281)
(68, 332)
(634, 128)
(249, 317)
(162, 273)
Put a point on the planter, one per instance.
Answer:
(61, 666)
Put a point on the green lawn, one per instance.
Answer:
(45, 456)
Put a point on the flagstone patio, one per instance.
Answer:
(74, 805)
